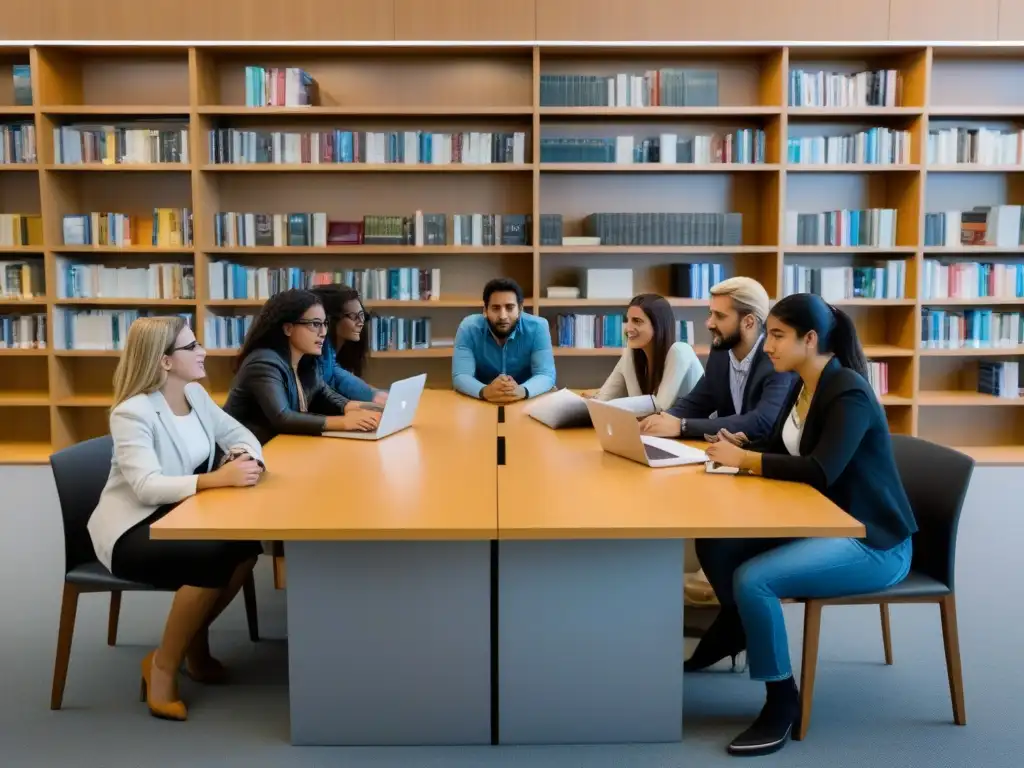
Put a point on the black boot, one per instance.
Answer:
(725, 637)
(774, 725)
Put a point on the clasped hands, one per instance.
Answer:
(503, 389)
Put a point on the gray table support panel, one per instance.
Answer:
(590, 641)
(389, 643)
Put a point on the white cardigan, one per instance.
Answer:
(149, 465)
(682, 372)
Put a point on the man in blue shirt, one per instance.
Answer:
(503, 355)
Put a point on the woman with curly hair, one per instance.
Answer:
(341, 363)
(278, 388)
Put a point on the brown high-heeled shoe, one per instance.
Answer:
(167, 710)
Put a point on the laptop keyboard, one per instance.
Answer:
(654, 453)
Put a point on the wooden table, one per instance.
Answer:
(388, 546)
(591, 579)
(439, 596)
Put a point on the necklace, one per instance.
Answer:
(803, 397)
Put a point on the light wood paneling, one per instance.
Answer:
(946, 20)
(293, 20)
(695, 20)
(465, 20)
(1011, 20)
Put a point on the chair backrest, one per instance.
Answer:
(80, 473)
(936, 480)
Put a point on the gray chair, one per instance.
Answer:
(936, 480)
(80, 472)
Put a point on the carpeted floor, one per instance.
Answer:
(865, 714)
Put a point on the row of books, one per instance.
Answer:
(878, 88)
(666, 87)
(279, 87)
(152, 281)
(225, 331)
(392, 334)
(235, 146)
(98, 329)
(166, 228)
(247, 230)
(23, 331)
(121, 144)
(976, 146)
(884, 281)
(871, 227)
(19, 229)
(971, 280)
(17, 143)
(22, 280)
(974, 328)
(236, 281)
(875, 146)
(711, 229)
(694, 281)
(593, 331)
(746, 145)
(999, 378)
(998, 225)
(878, 376)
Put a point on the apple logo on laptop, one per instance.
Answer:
(403, 405)
(609, 428)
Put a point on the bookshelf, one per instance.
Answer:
(51, 398)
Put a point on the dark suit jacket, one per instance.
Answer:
(762, 398)
(846, 453)
(265, 399)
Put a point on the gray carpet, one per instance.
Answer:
(865, 714)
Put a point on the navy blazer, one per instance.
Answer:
(763, 395)
(846, 454)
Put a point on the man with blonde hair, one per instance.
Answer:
(740, 395)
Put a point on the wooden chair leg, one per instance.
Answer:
(280, 579)
(951, 641)
(809, 665)
(113, 617)
(65, 633)
(886, 632)
(251, 612)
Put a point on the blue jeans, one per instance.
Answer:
(754, 574)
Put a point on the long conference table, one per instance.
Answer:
(482, 579)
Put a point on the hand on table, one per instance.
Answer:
(358, 420)
(726, 453)
(738, 438)
(661, 425)
(240, 472)
(503, 390)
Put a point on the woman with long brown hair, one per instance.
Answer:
(171, 441)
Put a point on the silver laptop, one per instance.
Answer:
(619, 433)
(399, 411)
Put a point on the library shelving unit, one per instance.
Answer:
(51, 398)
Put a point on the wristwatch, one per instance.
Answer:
(526, 392)
(682, 427)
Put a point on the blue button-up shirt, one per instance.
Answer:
(526, 355)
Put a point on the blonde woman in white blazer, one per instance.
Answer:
(653, 363)
(167, 431)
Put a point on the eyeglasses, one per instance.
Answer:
(314, 325)
(187, 348)
(355, 317)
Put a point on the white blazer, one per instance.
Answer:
(682, 372)
(148, 468)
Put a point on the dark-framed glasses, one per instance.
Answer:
(314, 325)
(355, 317)
(190, 347)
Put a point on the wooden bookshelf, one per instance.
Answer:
(54, 397)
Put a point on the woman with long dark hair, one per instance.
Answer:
(653, 363)
(832, 434)
(277, 386)
(344, 355)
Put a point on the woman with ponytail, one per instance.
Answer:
(831, 434)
